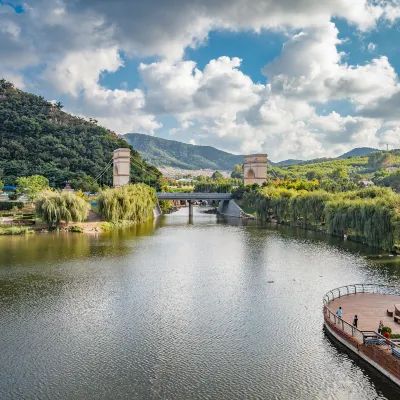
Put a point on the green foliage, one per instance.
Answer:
(237, 171)
(86, 183)
(387, 329)
(9, 205)
(1, 185)
(15, 230)
(130, 202)
(13, 196)
(217, 176)
(171, 153)
(370, 215)
(55, 207)
(76, 229)
(213, 187)
(379, 160)
(165, 205)
(32, 185)
(38, 138)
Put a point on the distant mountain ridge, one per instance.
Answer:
(158, 151)
(171, 153)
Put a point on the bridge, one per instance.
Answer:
(194, 196)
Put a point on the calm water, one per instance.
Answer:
(180, 310)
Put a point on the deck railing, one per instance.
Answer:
(366, 337)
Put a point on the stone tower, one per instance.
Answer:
(255, 169)
(121, 167)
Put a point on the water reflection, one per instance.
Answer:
(179, 308)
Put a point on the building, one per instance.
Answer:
(255, 169)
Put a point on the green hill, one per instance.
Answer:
(37, 137)
(358, 152)
(171, 153)
(158, 151)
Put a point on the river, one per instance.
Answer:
(179, 309)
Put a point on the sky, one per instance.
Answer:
(291, 78)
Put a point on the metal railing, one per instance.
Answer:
(193, 196)
(360, 288)
(365, 337)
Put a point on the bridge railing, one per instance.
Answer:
(193, 196)
(366, 337)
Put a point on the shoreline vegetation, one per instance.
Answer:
(68, 212)
(370, 215)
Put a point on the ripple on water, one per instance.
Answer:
(185, 312)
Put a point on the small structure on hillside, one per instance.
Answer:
(121, 167)
(255, 169)
(67, 187)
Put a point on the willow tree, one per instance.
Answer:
(56, 207)
(128, 203)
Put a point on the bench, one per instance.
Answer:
(396, 352)
(396, 319)
(389, 313)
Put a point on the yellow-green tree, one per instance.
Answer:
(32, 185)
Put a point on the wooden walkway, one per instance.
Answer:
(370, 309)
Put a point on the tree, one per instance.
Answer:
(237, 171)
(59, 105)
(128, 203)
(32, 185)
(1, 186)
(55, 207)
(85, 183)
(216, 176)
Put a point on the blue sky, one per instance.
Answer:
(296, 79)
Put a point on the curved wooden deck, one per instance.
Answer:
(370, 309)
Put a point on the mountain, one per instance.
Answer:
(171, 153)
(37, 137)
(290, 161)
(358, 152)
(158, 151)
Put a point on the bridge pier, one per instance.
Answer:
(190, 208)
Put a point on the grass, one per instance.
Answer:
(15, 230)
(247, 210)
(109, 226)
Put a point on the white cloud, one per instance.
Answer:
(76, 42)
(371, 47)
(310, 67)
(390, 137)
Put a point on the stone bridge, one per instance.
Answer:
(194, 196)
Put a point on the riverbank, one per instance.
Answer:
(370, 216)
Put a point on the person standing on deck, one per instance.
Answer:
(380, 326)
(355, 321)
(339, 312)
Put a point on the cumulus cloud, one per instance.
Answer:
(310, 67)
(73, 43)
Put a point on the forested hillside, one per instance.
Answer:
(37, 137)
(158, 151)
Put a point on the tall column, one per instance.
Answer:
(121, 167)
(190, 208)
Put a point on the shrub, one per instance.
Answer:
(54, 207)
(15, 230)
(8, 205)
(75, 228)
(130, 203)
(386, 329)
